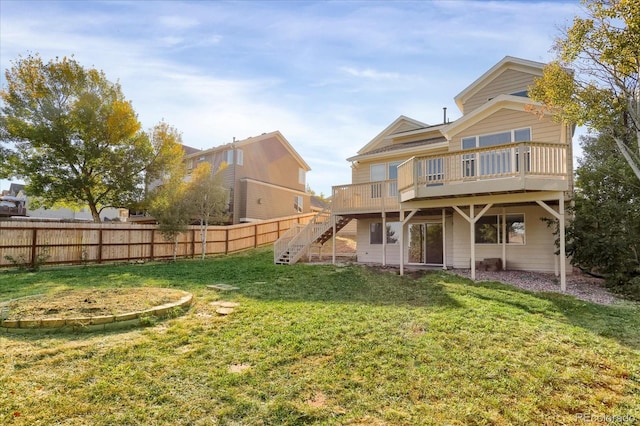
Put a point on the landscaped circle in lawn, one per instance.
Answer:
(92, 309)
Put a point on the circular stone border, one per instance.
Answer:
(95, 323)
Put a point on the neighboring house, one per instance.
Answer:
(266, 177)
(458, 193)
(13, 202)
(17, 195)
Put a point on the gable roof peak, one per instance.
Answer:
(508, 62)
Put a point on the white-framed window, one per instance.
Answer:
(229, 156)
(239, 157)
(393, 175)
(302, 176)
(488, 229)
(493, 162)
(378, 172)
(393, 232)
(500, 138)
(297, 204)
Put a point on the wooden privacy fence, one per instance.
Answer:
(43, 243)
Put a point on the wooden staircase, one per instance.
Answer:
(296, 241)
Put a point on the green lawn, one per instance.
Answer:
(321, 344)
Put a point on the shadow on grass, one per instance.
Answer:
(254, 273)
(618, 322)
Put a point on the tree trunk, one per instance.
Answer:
(175, 248)
(626, 153)
(203, 237)
(95, 213)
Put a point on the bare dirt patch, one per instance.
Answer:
(88, 303)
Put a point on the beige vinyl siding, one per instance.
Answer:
(265, 201)
(372, 253)
(537, 254)
(542, 130)
(509, 81)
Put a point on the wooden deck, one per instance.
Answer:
(515, 167)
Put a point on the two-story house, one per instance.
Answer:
(266, 177)
(457, 193)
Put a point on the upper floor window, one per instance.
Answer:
(229, 156)
(239, 157)
(297, 204)
(494, 161)
(517, 135)
(302, 176)
(378, 172)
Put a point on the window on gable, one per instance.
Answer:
(495, 161)
(523, 93)
(522, 135)
(302, 175)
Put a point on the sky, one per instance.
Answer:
(329, 75)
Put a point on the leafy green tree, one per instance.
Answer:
(604, 50)
(604, 236)
(77, 140)
(208, 199)
(165, 186)
(168, 204)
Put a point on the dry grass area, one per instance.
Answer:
(90, 302)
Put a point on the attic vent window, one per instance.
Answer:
(523, 94)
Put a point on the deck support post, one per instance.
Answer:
(333, 246)
(561, 230)
(504, 239)
(384, 239)
(403, 222)
(472, 218)
(444, 240)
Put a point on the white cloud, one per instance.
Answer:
(371, 73)
(328, 75)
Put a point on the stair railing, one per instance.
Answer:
(299, 240)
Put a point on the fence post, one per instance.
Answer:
(100, 245)
(226, 241)
(193, 243)
(255, 236)
(153, 239)
(34, 237)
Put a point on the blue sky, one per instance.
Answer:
(330, 75)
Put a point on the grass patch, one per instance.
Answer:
(320, 344)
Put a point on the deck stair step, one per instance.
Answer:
(296, 242)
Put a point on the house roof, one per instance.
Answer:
(317, 203)
(15, 188)
(508, 62)
(190, 150)
(256, 139)
(512, 102)
(389, 130)
(399, 148)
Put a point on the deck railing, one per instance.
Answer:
(376, 196)
(509, 160)
(296, 241)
